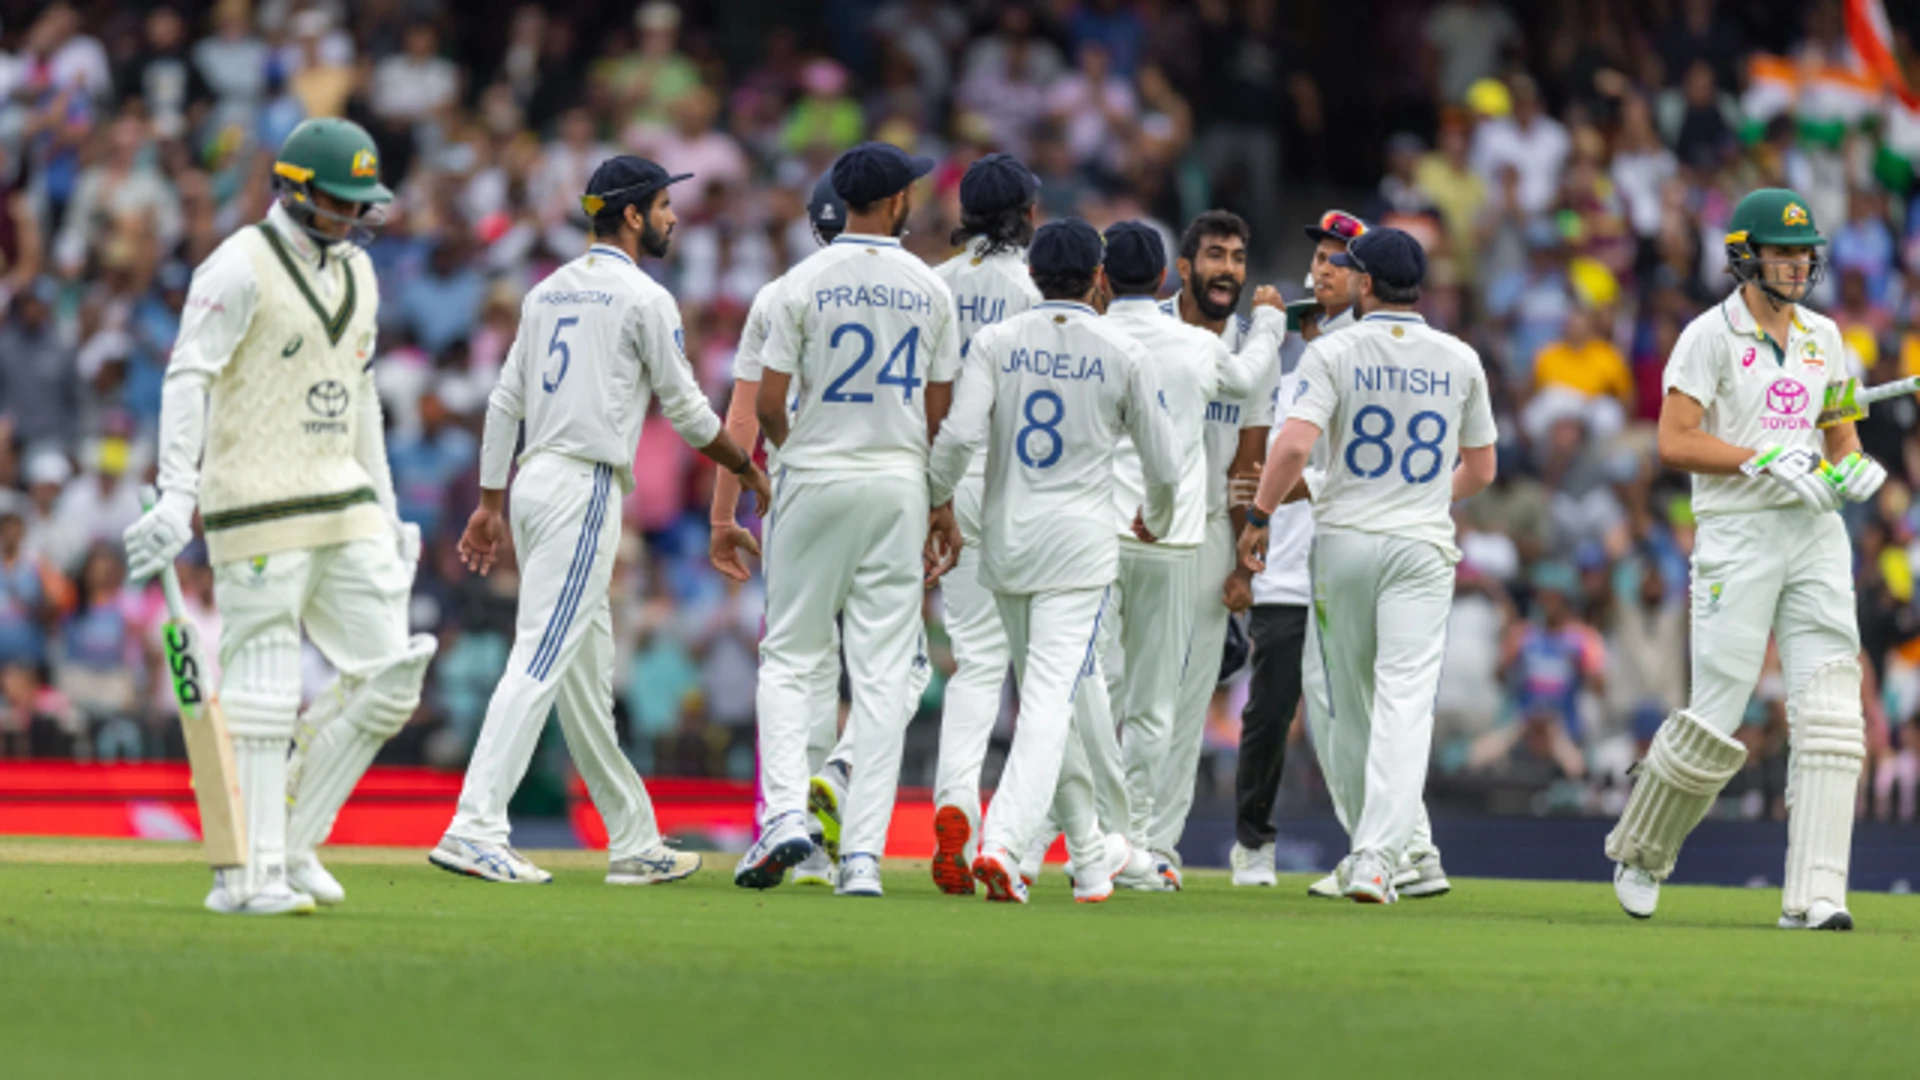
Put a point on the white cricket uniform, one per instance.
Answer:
(597, 340)
(271, 375)
(825, 741)
(987, 289)
(1049, 393)
(1762, 562)
(1256, 341)
(863, 327)
(1395, 401)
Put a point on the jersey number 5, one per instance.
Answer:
(550, 381)
(906, 350)
(1375, 434)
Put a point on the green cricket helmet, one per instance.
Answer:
(334, 156)
(1776, 216)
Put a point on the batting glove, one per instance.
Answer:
(158, 537)
(1856, 478)
(1799, 471)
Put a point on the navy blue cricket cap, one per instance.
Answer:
(1135, 254)
(1066, 246)
(997, 183)
(622, 180)
(875, 170)
(1387, 254)
(825, 208)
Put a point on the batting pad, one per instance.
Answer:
(1829, 744)
(373, 710)
(1683, 771)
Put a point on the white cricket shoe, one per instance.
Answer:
(1146, 873)
(1368, 881)
(657, 865)
(1093, 882)
(1820, 915)
(826, 798)
(273, 898)
(1252, 866)
(995, 869)
(815, 869)
(487, 861)
(859, 876)
(1420, 876)
(783, 843)
(1170, 868)
(1637, 890)
(305, 874)
(1033, 861)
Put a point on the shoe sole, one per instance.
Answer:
(1425, 890)
(1360, 894)
(772, 869)
(810, 881)
(452, 866)
(998, 882)
(1267, 883)
(824, 807)
(653, 879)
(951, 832)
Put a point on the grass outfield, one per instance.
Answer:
(108, 967)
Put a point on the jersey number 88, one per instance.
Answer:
(1371, 428)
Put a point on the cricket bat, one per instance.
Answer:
(1849, 401)
(216, 782)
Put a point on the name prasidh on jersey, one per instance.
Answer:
(1056, 365)
(886, 297)
(1397, 380)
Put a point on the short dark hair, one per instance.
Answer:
(1213, 223)
(1395, 294)
(1133, 288)
(1067, 286)
(1004, 229)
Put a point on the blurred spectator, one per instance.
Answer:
(1467, 40)
(428, 464)
(39, 378)
(1582, 374)
(693, 145)
(164, 76)
(102, 655)
(1552, 659)
(1092, 105)
(125, 194)
(442, 304)
(646, 84)
(414, 85)
(826, 120)
(24, 602)
(1529, 141)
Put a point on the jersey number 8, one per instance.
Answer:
(906, 349)
(1426, 450)
(1047, 429)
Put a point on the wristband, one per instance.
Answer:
(1257, 518)
(745, 467)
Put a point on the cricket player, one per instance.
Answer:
(271, 378)
(990, 284)
(1050, 392)
(1147, 628)
(829, 754)
(596, 340)
(868, 329)
(1212, 265)
(1742, 387)
(1399, 402)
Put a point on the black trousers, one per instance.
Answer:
(1279, 633)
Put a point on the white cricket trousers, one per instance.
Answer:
(980, 658)
(852, 546)
(1382, 604)
(1173, 798)
(565, 516)
(1053, 636)
(1145, 633)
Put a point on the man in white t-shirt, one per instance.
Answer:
(1398, 402)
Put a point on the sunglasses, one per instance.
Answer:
(1342, 224)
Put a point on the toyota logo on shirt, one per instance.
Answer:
(328, 400)
(1786, 402)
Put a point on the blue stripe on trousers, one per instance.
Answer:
(1086, 665)
(578, 571)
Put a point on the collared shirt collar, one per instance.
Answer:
(1074, 305)
(867, 238)
(610, 252)
(1347, 317)
(1135, 303)
(1394, 316)
(295, 236)
(1741, 319)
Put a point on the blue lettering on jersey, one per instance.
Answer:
(911, 301)
(1055, 365)
(575, 296)
(1220, 412)
(1422, 381)
(981, 309)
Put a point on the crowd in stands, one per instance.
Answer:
(1570, 168)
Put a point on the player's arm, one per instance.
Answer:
(656, 328)
(1257, 362)
(781, 358)
(506, 405)
(1479, 460)
(1308, 416)
(1685, 446)
(965, 426)
(219, 309)
(370, 449)
(726, 539)
(1152, 431)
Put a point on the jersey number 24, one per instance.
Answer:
(904, 355)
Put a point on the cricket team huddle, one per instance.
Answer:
(1097, 478)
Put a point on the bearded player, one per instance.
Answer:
(271, 378)
(1770, 555)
